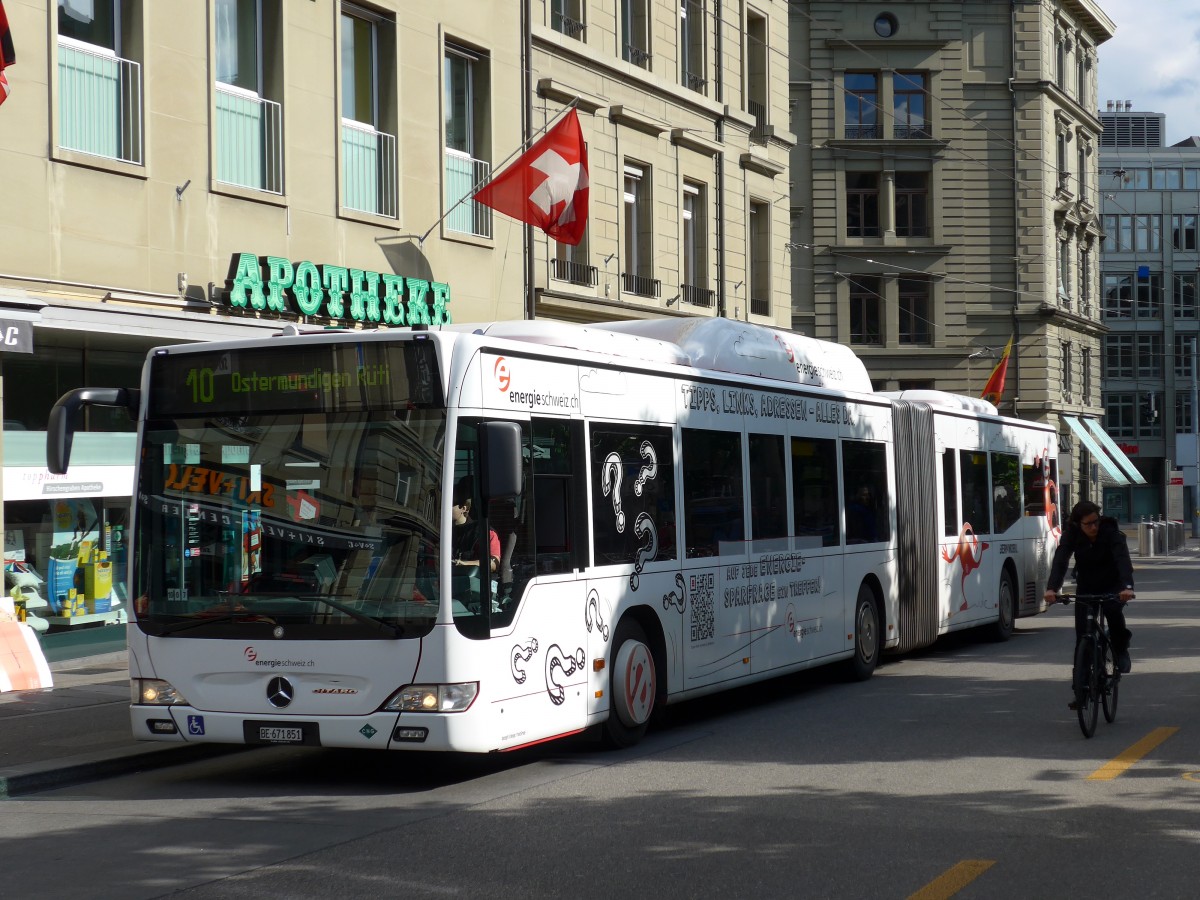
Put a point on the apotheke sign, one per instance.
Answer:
(354, 295)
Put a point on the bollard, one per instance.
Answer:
(1145, 539)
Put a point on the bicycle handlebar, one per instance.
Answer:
(1091, 599)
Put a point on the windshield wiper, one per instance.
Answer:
(245, 616)
(395, 630)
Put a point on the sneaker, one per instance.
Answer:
(1124, 664)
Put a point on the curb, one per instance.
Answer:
(29, 779)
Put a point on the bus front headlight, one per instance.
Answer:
(153, 692)
(433, 698)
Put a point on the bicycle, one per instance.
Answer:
(1097, 680)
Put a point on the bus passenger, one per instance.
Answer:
(464, 541)
(861, 527)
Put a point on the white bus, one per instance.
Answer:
(669, 508)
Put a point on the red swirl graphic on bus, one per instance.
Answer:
(969, 552)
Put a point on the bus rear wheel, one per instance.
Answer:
(1006, 609)
(632, 686)
(867, 635)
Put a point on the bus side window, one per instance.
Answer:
(1006, 491)
(973, 478)
(814, 493)
(768, 489)
(865, 482)
(713, 506)
(632, 480)
(950, 518)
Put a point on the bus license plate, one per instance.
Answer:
(276, 735)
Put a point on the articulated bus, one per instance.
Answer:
(478, 538)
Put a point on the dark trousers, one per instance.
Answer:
(1114, 614)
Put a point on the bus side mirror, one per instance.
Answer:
(60, 430)
(501, 461)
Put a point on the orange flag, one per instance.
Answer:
(994, 389)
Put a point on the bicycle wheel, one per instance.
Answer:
(1087, 684)
(1111, 685)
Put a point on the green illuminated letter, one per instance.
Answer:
(393, 309)
(418, 309)
(441, 303)
(308, 289)
(280, 276)
(247, 277)
(364, 300)
(336, 281)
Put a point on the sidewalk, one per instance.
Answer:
(77, 730)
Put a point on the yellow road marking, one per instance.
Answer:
(1119, 764)
(953, 879)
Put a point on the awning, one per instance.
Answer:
(1114, 451)
(1102, 456)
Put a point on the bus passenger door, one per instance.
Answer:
(969, 562)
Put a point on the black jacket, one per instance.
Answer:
(1102, 566)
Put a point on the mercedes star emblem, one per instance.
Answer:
(280, 692)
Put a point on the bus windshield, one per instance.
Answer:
(284, 494)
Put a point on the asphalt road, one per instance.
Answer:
(958, 771)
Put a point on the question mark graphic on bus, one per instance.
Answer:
(592, 612)
(522, 653)
(567, 664)
(648, 471)
(645, 530)
(679, 600)
(611, 484)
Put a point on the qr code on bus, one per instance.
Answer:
(703, 626)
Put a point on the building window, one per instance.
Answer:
(1118, 233)
(1064, 272)
(866, 311)
(909, 105)
(467, 87)
(1081, 77)
(1068, 377)
(1167, 180)
(1120, 419)
(1118, 356)
(862, 105)
(1183, 232)
(248, 129)
(635, 33)
(760, 258)
(638, 245)
(915, 311)
(1085, 280)
(1147, 233)
(1184, 295)
(1085, 363)
(694, 288)
(1081, 157)
(369, 165)
(862, 204)
(1149, 296)
(756, 76)
(570, 263)
(566, 17)
(99, 91)
(1184, 355)
(1149, 355)
(912, 204)
(1118, 296)
(692, 25)
(1060, 63)
(1064, 167)
(1183, 413)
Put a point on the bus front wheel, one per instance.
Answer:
(1006, 609)
(632, 686)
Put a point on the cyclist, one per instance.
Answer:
(1102, 566)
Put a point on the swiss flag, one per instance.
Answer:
(547, 186)
(8, 55)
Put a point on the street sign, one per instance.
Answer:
(16, 336)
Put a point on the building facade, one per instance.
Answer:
(1149, 264)
(944, 198)
(204, 169)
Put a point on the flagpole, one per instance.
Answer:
(480, 183)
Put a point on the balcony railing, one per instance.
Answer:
(758, 134)
(696, 296)
(637, 56)
(99, 102)
(856, 132)
(641, 285)
(760, 306)
(911, 132)
(574, 272)
(694, 82)
(368, 169)
(463, 174)
(249, 140)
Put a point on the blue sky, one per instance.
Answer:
(1154, 60)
